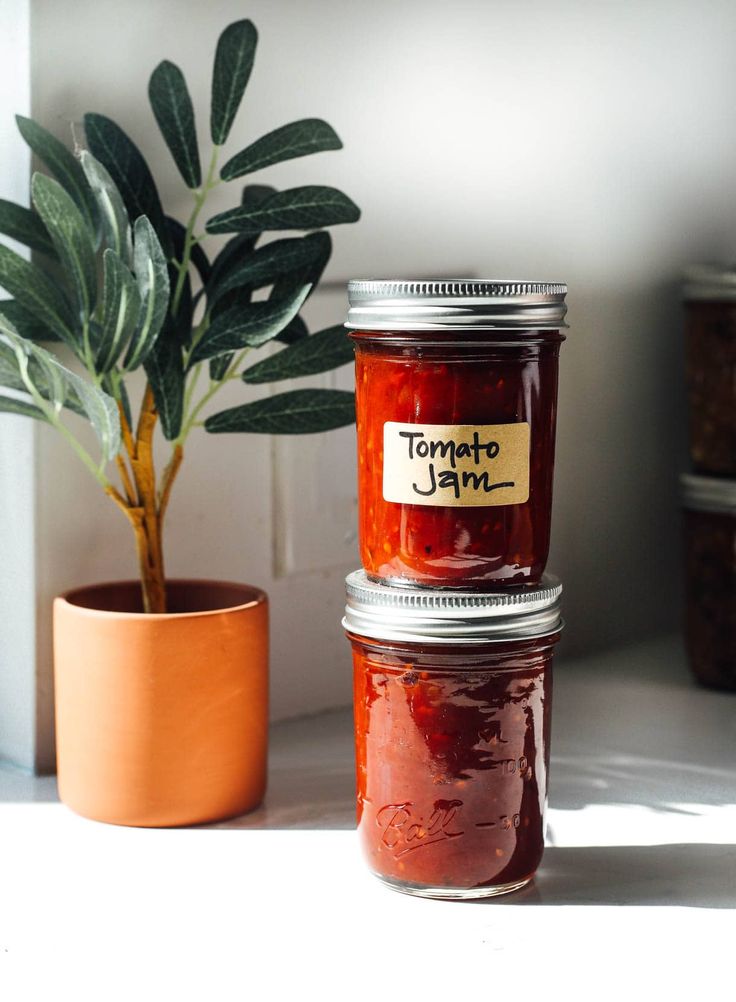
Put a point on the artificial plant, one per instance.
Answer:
(123, 285)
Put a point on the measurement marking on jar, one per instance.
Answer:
(505, 822)
(511, 766)
(404, 831)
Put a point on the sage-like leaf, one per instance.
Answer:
(328, 349)
(298, 412)
(63, 165)
(11, 377)
(14, 405)
(247, 326)
(174, 112)
(115, 222)
(121, 311)
(278, 258)
(25, 323)
(152, 276)
(298, 139)
(198, 257)
(56, 384)
(310, 272)
(236, 50)
(220, 365)
(166, 375)
(23, 225)
(117, 152)
(37, 294)
(71, 237)
(294, 331)
(307, 208)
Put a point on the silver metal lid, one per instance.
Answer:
(460, 303)
(708, 494)
(428, 615)
(710, 283)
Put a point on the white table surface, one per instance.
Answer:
(636, 897)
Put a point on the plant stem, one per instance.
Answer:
(189, 237)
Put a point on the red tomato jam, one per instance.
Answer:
(437, 383)
(452, 751)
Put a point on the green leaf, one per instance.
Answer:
(55, 382)
(63, 165)
(309, 273)
(293, 332)
(23, 225)
(129, 171)
(152, 276)
(165, 371)
(298, 412)
(321, 352)
(12, 378)
(37, 294)
(172, 106)
(278, 258)
(198, 257)
(298, 139)
(247, 326)
(236, 50)
(71, 237)
(307, 208)
(121, 311)
(115, 222)
(220, 365)
(14, 405)
(24, 322)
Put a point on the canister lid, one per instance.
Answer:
(710, 283)
(429, 615)
(393, 304)
(708, 493)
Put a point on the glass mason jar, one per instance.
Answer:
(710, 310)
(456, 400)
(710, 578)
(452, 726)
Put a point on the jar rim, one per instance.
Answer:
(699, 493)
(437, 304)
(441, 616)
(709, 283)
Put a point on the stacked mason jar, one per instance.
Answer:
(452, 619)
(709, 493)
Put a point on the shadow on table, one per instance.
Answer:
(692, 875)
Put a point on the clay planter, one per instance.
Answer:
(161, 719)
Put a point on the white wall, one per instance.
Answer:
(18, 693)
(588, 142)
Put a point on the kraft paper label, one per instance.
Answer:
(457, 465)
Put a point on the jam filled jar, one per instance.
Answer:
(710, 578)
(456, 400)
(710, 308)
(452, 726)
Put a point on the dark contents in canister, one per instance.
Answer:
(710, 596)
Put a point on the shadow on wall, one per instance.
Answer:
(620, 445)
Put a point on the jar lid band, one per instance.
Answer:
(429, 615)
(458, 303)
(708, 494)
(710, 283)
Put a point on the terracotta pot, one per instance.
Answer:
(161, 719)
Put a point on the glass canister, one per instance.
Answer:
(710, 578)
(710, 310)
(452, 728)
(456, 401)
